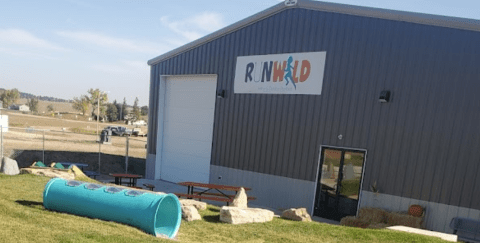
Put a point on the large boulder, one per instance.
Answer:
(235, 215)
(190, 213)
(9, 166)
(297, 214)
(240, 200)
(189, 202)
(49, 172)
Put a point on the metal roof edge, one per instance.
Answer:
(418, 18)
(413, 17)
(238, 25)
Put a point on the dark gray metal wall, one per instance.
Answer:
(424, 144)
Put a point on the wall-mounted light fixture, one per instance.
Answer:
(384, 96)
(221, 93)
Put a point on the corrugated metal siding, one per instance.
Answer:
(422, 145)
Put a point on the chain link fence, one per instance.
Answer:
(27, 145)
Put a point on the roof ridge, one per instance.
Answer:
(396, 15)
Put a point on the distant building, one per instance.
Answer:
(4, 123)
(139, 123)
(19, 107)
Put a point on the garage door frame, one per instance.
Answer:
(161, 111)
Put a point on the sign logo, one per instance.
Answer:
(290, 3)
(294, 73)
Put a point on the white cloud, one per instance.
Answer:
(110, 68)
(110, 42)
(26, 54)
(137, 65)
(125, 67)
(22, 38)
(195, 27)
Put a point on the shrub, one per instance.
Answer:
(404, 219)
(354, 222)
(373, 215)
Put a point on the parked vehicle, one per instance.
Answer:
(137, 132)
(119, 130)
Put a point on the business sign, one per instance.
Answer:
(290, 73)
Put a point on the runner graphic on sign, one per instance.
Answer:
(288, 72)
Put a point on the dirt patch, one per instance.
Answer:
(30, 135)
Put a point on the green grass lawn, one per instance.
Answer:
(23, 219)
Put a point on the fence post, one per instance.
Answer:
(43, 146)
(1, 131)
(126, 157)
(99, 151)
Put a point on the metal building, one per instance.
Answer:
(326, 106)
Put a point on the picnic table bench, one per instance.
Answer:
(466, 229)
(131, 177)
(204, 191)
(91, 174)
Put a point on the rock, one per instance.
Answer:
(49, 172)
(240, 199)
(235, 215)
(189, 202)
(9, 166)
(297, 214)
(190, 213)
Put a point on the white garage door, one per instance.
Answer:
(188, 128)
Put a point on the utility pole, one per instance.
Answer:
(43, 145)
(1, 131)
(98, 110)
(126, 157)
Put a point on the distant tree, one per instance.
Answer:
(9, 97)
(119, 109)
(33, 104)
(136, 109)
(96, 95)
(123, 109)
(50, 108)
(144, 110)
(112, 112)
(81, 104)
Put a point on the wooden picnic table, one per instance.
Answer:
(132, 178)
(214, 192)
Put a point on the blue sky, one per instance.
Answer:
(62, 48)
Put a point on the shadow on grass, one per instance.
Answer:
(215, 210)
(31, 204)
(212, 218)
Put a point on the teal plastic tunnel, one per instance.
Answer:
(156, 214)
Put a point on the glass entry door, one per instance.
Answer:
(339, 180)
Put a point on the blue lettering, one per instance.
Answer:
(248, 73)
(267, 71)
